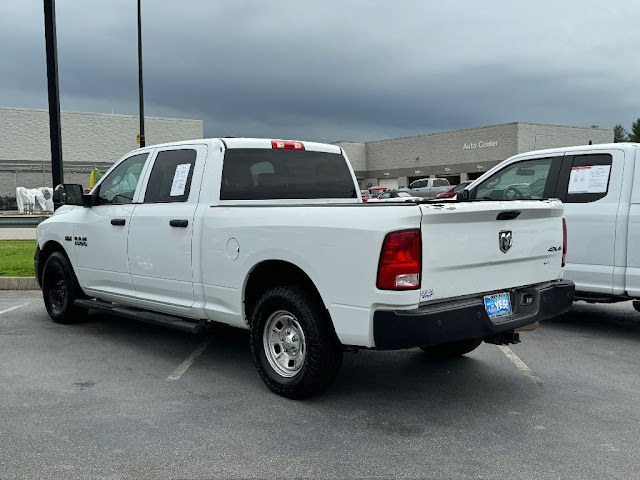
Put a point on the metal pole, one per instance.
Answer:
(53, 91)
(142, 139)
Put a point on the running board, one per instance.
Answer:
(153, 318)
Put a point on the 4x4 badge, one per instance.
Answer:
(505, 240)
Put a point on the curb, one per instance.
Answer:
(18, 283)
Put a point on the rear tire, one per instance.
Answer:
(294, 348)
(60, 289)
(452, 349)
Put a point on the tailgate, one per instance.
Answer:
(479, 247)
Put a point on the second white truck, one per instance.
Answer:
(272, 236)
(597, 184)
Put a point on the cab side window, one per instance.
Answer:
(588, 178)
(522, 180)
(119, 186)
(170, 179)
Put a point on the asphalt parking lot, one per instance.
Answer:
(93, 400)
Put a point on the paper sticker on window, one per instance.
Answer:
(579, 179)
(180, 180)
(590, 179)
(599, 178)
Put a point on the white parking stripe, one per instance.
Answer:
(14, 308)
(520, 364)
(184, 366)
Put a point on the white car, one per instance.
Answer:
(272, 236)
(394, 196)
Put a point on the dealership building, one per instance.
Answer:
(458, 155)
(97, 140)
(88, 140)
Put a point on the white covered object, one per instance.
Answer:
(31, 200)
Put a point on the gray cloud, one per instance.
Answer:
(357, 70)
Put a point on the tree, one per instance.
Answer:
(620, 134)
(634, 136)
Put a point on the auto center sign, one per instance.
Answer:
(480, 144)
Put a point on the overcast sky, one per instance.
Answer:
(338, 70)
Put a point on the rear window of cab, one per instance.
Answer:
(263, 174)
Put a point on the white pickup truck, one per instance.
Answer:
(272, 236)
(596, 183)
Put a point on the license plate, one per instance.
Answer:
(498, 305)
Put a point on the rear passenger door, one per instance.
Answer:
(161, 230)
(589, 185)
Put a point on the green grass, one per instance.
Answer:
(16, 258)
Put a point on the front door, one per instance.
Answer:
(100, 234)
(161, 232)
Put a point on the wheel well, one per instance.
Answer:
(49, 247)
(273, 273)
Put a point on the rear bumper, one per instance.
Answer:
(465, 318)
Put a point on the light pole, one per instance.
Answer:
(53, 91)
(140, 93)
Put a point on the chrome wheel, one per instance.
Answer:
(284, 343)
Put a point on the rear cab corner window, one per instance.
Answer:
(171, 175)
(263, 174)
(586, 178)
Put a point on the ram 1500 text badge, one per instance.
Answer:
(272, 236)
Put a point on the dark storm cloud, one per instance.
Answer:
(341, 70)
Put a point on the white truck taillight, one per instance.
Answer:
(400, 261)
(564, 241)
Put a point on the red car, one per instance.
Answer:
(452, 192)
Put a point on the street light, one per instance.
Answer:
(140, 93)
(53, 91)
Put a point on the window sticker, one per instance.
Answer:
(180, 180)
(579, 179)
(589, 179)
(599, 178)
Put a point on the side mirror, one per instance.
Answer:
(464, 195)
(67, 194)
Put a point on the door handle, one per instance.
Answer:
(119, 222)
(179, 223)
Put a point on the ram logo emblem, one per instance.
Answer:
(505, 240)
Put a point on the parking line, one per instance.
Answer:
(14, 308)
(184, 366)
(520, 364)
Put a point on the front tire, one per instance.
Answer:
(452, 349)
(60, 289)
(294, 348)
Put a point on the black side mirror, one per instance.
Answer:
(464, 195)
(67, 194)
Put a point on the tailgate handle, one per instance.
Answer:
(119, 222)
(179, 223)
(508, 215)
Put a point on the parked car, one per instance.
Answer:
(452, 192)
(272, 236)
(396, 196)
(428, 187)
(599, 187)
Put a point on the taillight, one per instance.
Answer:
(287, 145)
(564, 241)
(400, 261)
(364, 199)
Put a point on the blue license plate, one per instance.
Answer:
(498, 305)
